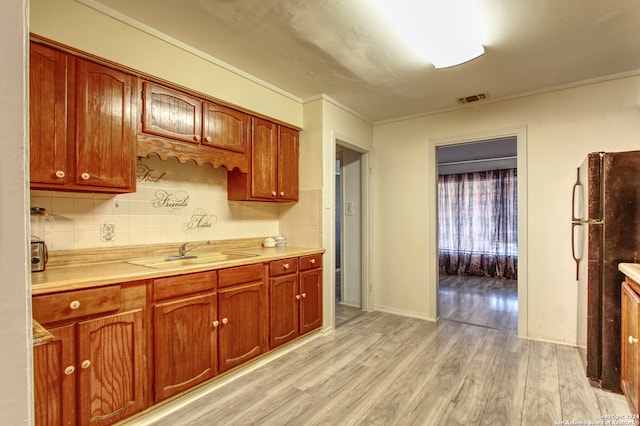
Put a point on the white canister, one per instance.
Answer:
(269, 242)
(281, 241)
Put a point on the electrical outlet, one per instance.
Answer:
(348, 208)
(108, 232)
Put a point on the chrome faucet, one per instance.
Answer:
(182, 250)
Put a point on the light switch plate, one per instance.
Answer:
(348, 208)
(108, 232)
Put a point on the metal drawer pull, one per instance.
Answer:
(632, 340)
(60, 174)
(74, 305)
(85, 364)
(286, 266)
(85, 176)
(69, 370)
(313, 261)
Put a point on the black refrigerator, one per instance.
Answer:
(605, 231)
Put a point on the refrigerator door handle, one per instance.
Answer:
(576, 186)
(573, 248)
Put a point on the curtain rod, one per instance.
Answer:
(484, 160)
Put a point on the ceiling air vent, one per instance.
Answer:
(473, 98)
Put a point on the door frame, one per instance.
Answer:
(328, 223)
(520, 133)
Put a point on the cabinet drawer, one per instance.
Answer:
(73, 304)
(166, 288)
(241, 274)
(284, 266)
(310, 262)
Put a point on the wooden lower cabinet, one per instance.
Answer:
(629, 378)
(185, 343)
(55, 378)
(295, 299)
(242, 316)
(103, 358)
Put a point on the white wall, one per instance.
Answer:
(15, 306)
(562, 127)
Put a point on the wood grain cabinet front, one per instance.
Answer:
(175, 123)
(295, 298)
(93, 372)
(273, 173)
(82, 124)
(242, 304)
(629, 374)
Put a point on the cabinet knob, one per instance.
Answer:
(196, 138)
(85, 364)
(282, 193)
(74, 305)
(208, 139)
(216, 323)
(60, 174)
(69, 370)
(304, 295)
(225, 320)
(285, 266)
(85, 176)
(297, 297)
(274, 193)
(313, 261)
(632, 339)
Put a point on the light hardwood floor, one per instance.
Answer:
(384, 369)
(345, 313)
(490, 302)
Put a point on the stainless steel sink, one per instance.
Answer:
(173, 262)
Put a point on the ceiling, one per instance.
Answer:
(343, 49)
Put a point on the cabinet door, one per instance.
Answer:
(54, 377)
(111, 368)
(284, 302)
(288, 164)
(629, 372)
(105, 133)
(172, 114)
(264, 159)
(47, 115)
(242, 314)
(225, 128)
(185, 344)
(311, 300)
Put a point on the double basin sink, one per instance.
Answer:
(177, 261)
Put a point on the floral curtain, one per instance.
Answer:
(477, 224)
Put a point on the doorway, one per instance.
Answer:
(519, 134)
(348, 235)
(477, 233)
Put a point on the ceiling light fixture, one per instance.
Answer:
(445, 32)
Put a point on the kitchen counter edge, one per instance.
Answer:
(631, 270)
(66, 278)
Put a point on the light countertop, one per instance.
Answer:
(631, 270)
(62, 278)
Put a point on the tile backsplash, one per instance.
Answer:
(173, 203)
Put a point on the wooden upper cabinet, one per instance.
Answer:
(171, 114)
(264, 159)
(225, 128)
(48, 114)
(83, 117)
(273, 175)
(288, 164)
(105, 135)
